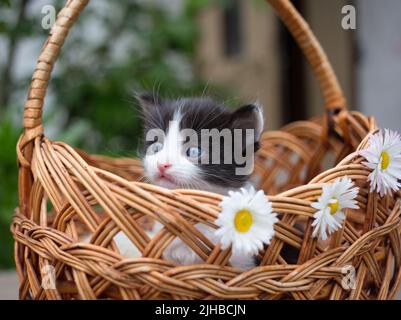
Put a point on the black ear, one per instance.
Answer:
(147, 100)
(249, 117)
(150, 110)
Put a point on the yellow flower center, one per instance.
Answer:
(385, 160)
(333, 206)
(243, 220)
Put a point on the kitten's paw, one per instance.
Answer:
(180, 253)
(244, 262)
(125, 246)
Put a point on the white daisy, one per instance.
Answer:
(335, 197)
(246, 221)
(384, 156)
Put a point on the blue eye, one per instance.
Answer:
(194, 152)
(156, 147)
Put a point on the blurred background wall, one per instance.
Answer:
(378, 67)
(266, 63)
(235, 50)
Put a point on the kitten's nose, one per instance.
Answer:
(163, 166)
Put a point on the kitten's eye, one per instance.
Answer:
(194, 152)
(156, 147)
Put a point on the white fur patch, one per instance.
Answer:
(179, 252)
(182, 171)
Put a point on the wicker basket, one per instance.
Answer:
(64, 192)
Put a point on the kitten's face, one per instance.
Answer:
(173, 160)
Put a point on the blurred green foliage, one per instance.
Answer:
(4, 2)
(8, 187)
(116, 48)
(99, 87)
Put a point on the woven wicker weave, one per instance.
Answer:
(64, 192)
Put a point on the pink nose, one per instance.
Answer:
(163, 166)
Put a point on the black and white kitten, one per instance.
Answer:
(171, 161)
(177, 163)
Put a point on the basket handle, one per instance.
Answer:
(323, 71)
(32, 123)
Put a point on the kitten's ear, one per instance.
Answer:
(249, 117)
(150, 110)
(147, 100)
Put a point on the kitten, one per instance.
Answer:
(173, 164)
(173, 160)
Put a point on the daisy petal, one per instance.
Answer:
(255, 225)
(335, 197)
